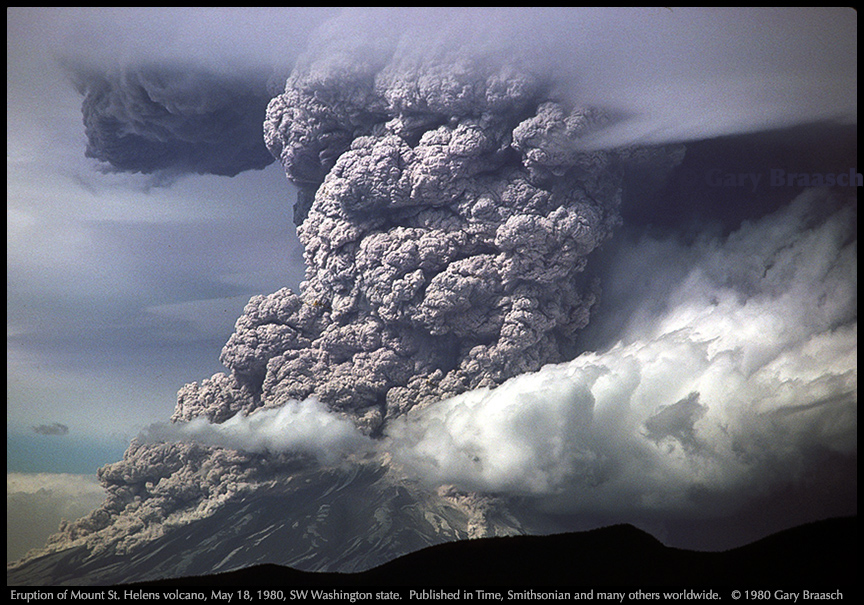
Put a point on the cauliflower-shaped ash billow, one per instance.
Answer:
(454, 208)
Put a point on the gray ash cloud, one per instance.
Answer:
(173, 120)
(447, 211)
(450, 197)
(453, 213)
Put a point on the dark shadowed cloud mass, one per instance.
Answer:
(174, 120)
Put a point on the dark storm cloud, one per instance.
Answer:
(174, 119)
(172, 90)
(55, 428)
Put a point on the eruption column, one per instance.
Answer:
(446, 211)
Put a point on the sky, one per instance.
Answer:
(119, 289)
(123, 287)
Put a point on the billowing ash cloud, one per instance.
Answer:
(174, 120)
(737, 376)
(451, 196)
(746, 372)
(739, 368)
(447, 211)
(159, 486)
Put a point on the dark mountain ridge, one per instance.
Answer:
(822, 554)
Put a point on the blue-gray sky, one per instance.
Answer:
(120, 291)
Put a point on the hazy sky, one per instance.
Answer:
(119, 291)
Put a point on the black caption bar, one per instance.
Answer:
(611, 595)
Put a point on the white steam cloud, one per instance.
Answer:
(305, 427)
(750, 368)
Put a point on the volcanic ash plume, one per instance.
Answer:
(446, 211)
(173, 120)
(449, 198)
